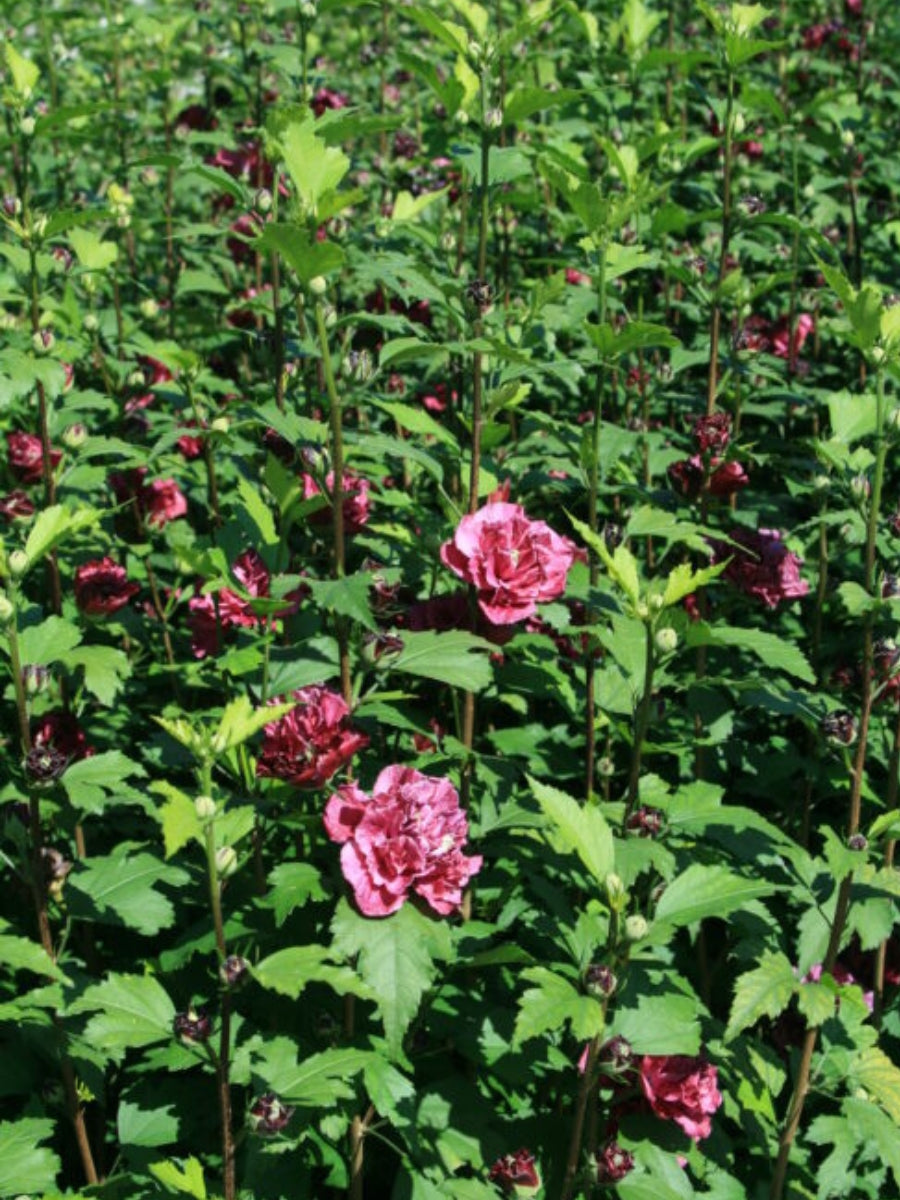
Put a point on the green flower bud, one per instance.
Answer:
(636, 927)
(205, 807)
(7, 609)
(318, 285)
(18, 563)
(666, 640)
(226, 861)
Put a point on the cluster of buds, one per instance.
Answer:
(121, 203)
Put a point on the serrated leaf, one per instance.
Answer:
(765, 991)
(667, 1024)
(580, 828)
(319, 1081)
(407, 207)
(105, 670)
(291, 970)
(315, 168)
(92, 252)
(553, 1002)
(621, 565)
(93, 782)
(305, 255)
(397, 959)
(684, 580)
(25, 1165)
(873, 1070)
(48, 642)
(613, 342)
(120, 888)
(348, 597)
(130, 1011)
(293, 884)
(25, 75)
(20, 954)
(240, 721)
(177, 816)
(775, 652)
(52, 525)
(140, 1126)
(707, 891)
(454, 657)
(187, 1180)
(416, 420)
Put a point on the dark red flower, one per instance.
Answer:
(613, 1163)
(158, 502)
(211, 616)
(25, 456)
(727, 479)
(355, 506)
(514, 1172)
(762, 566)
(712, 432)
(16, 506)
(325, 98)
(102, 587)
(269, 1115)
(312, 742)
(59, 731)
(681, 1089)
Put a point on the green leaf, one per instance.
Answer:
(581, 828)
(407, 207)
(140, 1126)
(21, 954)
(872, 1070)
(105, 670)
(188, 1180)
(54, 524)
(451, 35)
(777, 653)
(348, 597)
(523, 102)
(293, 885)
(25, 75)
(613, 343)
(320, 1081)
(95, 782)
(765, 991)
(456, 658)
(291, 970)
(25, 1165)
(416, 420)
(120, 888)
(315, 168)
(856, 599)
(666, 1024)
(306, 256)
(684, 580)
(707, 891)
(621, 565)
(397, 960)
(48, 642)
(92, 252)
(258, 511)
(553, 1002)
(408, 349)
(130, 1011)
(852, 417)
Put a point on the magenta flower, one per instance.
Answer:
(25, 456)
(212, 616)
(406, 837)
(355, 506)
(516, 1173)
(310, 744)
(762, 566)
(681, 1089)
(513, 562)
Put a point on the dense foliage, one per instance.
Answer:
(449, 586)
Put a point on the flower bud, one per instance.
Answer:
(848, 138)
(616, 1056)
(636, 927)
(7, 609)
(44, 764)
(262, 201)
(74, 436)
(90, 322)
(205, 808)
(226, 861)
(318, 285)
(308, 10)
(194, 1027)
(26, 127)
(35, 679)
(645, 821)
(839, 727)
(857, 841)
(615, 892)
(493, 118)
(268, 1115)
(42, 340)
(234, 971)
(220, 425)
(599, 981)
(739, 123)
(666, 640)
(149, 308)
(878, 355)
(18, 563)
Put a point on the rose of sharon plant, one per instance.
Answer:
(513, 562)
(311, 743)
(406, 837)
(102, 587)
(762, 566)
(682, 1089)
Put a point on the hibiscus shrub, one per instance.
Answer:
(449, 590)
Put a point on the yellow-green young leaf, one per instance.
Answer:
(407, 207)
(315, 168)
(258, 511)
(451, 35)
(178, 817)
(581, 828)
(765, 991)
(890, 325)
(188, 1181)
(182, 731)
(684, 580)
(92, 252)
(874, 1071)
(746, 17)
(240, 721)
(24, 72)
(21, 954)
(468, 81)
(473, 14)
(622, 565)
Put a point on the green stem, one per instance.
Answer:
(716, 317)
(642, 721)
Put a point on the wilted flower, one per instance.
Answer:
(762, 566)
(233, 971)
(712, 432)
(599, 980)
(60, 732)
(45, 764)
(25, 456)
(645, 821)
(102, 587)
(516, 1173)
(682, 1089)
(406, 837)
(839, 727)
(616, 1056)
(513, 562)
(311, 743)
